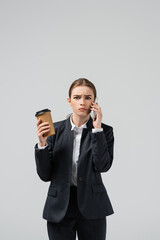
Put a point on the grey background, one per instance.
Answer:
(45, 46)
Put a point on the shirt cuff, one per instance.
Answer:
(42, 147)
(94, 130)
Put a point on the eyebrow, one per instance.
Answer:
(80, 95)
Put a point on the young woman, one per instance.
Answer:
(72, 160)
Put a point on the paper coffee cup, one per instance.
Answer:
(45, 116)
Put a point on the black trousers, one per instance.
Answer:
(74, 222)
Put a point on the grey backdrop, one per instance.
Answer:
(45, 46)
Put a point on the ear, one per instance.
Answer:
(69, 101)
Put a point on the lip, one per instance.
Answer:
(82, 109)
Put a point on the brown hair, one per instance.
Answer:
(83, 82)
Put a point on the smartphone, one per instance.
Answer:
(93, 113)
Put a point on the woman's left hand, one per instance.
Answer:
(98, 120)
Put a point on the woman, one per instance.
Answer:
(72, 160)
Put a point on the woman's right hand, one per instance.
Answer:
(41, 129)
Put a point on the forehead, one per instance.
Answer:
(82, 90)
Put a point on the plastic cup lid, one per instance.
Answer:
(42, 112)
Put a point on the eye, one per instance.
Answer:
(88, 98)
(76, 97)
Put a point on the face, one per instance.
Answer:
(81, 99)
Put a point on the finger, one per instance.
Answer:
(38, 122)
(43, 124)
(93, 109)
(41, 128)
(94, 106)
(42, 131)
(93, 103)
(44, 127)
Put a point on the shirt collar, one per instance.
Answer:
(74, 127)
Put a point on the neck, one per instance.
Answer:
(79, 121)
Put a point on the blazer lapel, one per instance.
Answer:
(69, 137)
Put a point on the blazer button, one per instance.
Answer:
(80, 178)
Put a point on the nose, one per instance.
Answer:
(82, 102)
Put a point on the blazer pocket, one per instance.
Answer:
(52, 192)
(98, 188)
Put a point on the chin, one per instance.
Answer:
(82, 114)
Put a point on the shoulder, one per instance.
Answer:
(107, 127)
(108, 131)
(59, 124)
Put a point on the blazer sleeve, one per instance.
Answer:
(44, 159)
(102, 149)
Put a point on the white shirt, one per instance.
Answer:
(76, 147)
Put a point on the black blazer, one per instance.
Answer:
(54, 163)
